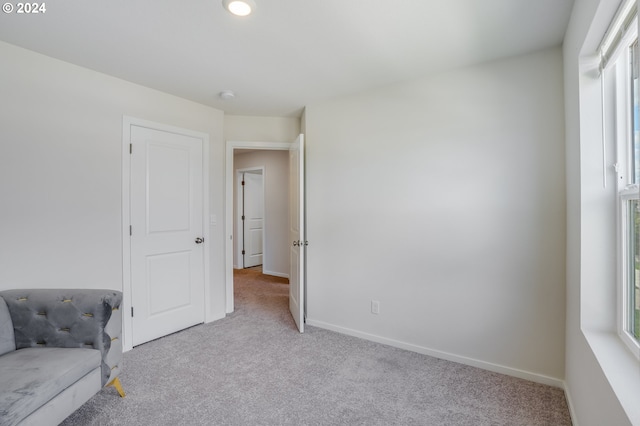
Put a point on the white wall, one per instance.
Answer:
(61, 178)
(443, 198)
(260, 129)
(276, 225)
(602, 379)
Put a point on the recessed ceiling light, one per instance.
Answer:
(227, 94)
(239, 7)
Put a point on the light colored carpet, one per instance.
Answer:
(254, 368)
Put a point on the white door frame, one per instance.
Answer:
(229, 172)
(239, 188)
(127, 122)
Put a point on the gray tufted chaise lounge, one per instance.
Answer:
(57, 349)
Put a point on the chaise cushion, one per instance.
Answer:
(7, 338)
(30, 377)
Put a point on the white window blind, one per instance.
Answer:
(623, 18)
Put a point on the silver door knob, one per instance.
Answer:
(199, 240)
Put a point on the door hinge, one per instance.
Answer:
(132, 312)
(130, 230)
(130, 148)
(242, 183)
(243, 252)
(242, 217)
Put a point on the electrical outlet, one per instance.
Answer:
(375, 307)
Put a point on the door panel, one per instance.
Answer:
(255, 249)
(296, 232)
(167, 265)
(168, 199)
(168, 275)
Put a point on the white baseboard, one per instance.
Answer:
(267, 272)
(526, 375)
(572, 411)
(275, 274)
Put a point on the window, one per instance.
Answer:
(629, 194)
(620, 64)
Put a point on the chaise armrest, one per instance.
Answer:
(69, 318)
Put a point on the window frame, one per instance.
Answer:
(625, 311)
(627, 189)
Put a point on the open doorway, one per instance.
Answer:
(261, 236)
(272, 159)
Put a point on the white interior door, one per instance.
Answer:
(296, 233)
(167, 253)
(253, 214)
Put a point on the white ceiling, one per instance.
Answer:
(289, 53)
